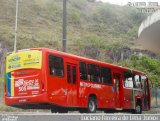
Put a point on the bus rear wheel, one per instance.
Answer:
(92, 105)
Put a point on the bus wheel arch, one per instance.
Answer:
(92, 103)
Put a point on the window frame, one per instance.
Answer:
(50, 69)
(99, 75)
(74, 75)
(124, 78)
(139, 77)
(110, 75)
(86, 70)
(69, 75)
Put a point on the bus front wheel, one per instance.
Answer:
(138, 109)
(92, 105)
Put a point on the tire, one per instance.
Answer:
(92, 105)
(138, 109)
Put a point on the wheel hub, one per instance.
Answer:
(91, 106)
(138, 109)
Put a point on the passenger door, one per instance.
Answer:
(146, 93)
(117, 79)
(128, 90)
(56, 81)
(72, 84)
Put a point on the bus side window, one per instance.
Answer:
(137, 81)
(68, 73)
(74, 74)
(128, 80)
(56, 66)
(106, 75)
(94, 73)
(83, 71)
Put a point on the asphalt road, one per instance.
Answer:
(40, 115)
(47, 116)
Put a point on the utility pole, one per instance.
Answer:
(15, 34)
(64, 41)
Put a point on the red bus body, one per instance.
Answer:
(37, 85)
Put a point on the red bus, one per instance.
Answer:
(45, 78)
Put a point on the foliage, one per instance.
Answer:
(146, 64)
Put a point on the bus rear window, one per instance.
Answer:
(56, 66)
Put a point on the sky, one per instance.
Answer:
(124, 2)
